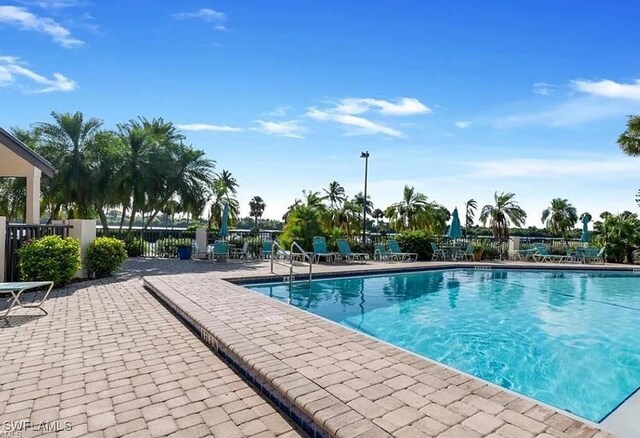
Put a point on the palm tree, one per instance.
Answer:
(224, 189)
(257, 207)
(404, 214)
(378, 215)
(470, 213)
(505, 212)
(335, 194)
(629, 140)
(70, 136)
(313, 199)
(228, 181)
(560, 217)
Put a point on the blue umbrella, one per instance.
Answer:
(585, 229)
(455, 231)
(224, 228)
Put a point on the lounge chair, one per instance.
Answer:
(543, 255)
(394, 248)
(467, 254)
(381, 254)
(220, 251)
(344, 252)
(594, 255)
(241, 253)
(17, 289)
(320, 250)
(438, 254)
(267, 247)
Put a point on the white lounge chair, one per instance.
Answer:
(17, 289)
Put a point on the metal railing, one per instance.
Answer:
(280, 256)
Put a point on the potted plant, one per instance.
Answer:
(185, 250)
(477, 253)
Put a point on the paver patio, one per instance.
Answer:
(112, 361)
(109, 360)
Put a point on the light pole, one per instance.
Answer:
(365, 155)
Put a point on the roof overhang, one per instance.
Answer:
(26, 153)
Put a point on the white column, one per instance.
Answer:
(85, 231)
(202, 241)
(3, 235)
(514, 247)
(33, 198)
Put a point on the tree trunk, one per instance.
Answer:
(132, 218)
(103, 218)
(124, 212)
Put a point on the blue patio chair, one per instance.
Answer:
(380, 253)
(344, 252)
(438, 254)
(267, 247)
(543, 255)
(320, 250)
(394, 248)
(467, 254)
(220, 251)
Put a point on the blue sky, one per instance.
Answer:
(457, 98)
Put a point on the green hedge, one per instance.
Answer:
(134, 245)
(105, 255)
(417, 241)
(50, 258)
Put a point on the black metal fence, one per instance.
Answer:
(19, 234)
(162, 242)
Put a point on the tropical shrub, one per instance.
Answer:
(619, 235)
(105, 255)
(134, 246)
(168, 248)
(417, 241)
(50, 258)
(302, 225)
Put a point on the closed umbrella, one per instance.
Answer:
(455, 230)
(585, 229)
(224, 226)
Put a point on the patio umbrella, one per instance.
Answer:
(455, 231)
(585, 229)
(224, 227)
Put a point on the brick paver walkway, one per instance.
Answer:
(110, 361)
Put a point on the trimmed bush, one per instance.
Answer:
(105, 255)
(50, 258)
(416, 241)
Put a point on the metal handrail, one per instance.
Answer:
(275, 250)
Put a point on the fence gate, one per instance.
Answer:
(18, 235)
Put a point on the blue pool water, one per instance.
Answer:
(570, 339)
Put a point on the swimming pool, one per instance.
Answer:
(566, 338)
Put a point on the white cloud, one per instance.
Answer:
(208, 127)
(207, 15)
(462, 124)
(554, 168)
(26, 21)
(405, 106)
(53, 4)
(609, 88)
(362, 126)
(11, 70)
(289, 128)
(543, 88)
(278, 111)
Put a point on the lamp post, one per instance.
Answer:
(365, 155)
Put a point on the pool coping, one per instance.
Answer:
(225, 341)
